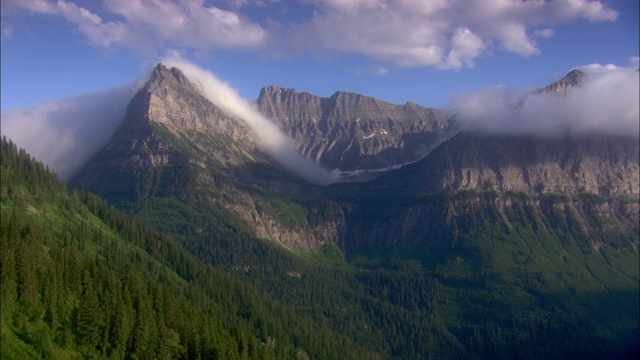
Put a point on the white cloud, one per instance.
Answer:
(440, 33)
(465, 46)
(64, 133)
(608, 102)
(153, 24)
(405, 33)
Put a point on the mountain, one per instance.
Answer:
(350, 131)
(563, 86)
(491, 246)
(565, 164)
(175, 149)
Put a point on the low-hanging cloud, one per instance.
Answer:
(274, 141)
(607, 103)
(64, 133)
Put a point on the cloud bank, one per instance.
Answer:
(64, 133)
(274, 141)
(405, 33)
(608, 102)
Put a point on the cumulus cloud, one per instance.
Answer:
(406, 33)
(274, 141)
(608, 102)
(152, 24)
(64, 133)
(437, 33)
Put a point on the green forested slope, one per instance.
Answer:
(81, 280)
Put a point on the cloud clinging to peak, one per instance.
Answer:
(608, 102)
(444, 34)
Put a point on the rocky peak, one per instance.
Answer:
(161, 76)
(351, 131)
(561, 87)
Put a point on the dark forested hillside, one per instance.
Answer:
(81, 279)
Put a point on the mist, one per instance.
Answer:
(605, 103)
(274, 141)
(65, 133)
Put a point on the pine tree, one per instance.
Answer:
(89, 318)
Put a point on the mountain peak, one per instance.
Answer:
(174, 75)
(561, 87)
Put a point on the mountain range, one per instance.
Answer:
(497, 244)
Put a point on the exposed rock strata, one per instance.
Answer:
(603, 165)
(351, 131)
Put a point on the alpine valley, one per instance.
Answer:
(187, 237)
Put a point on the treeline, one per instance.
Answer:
(80, 278)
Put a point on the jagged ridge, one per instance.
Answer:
(350, 131)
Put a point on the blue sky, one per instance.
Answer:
(396, 50)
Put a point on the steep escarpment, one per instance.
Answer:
(350, 131)
(596, 164)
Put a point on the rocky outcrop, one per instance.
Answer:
(595, 164)
(350, 131)
(563, 86)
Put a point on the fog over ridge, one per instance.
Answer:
(607, 102)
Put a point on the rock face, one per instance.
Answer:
(478, 178)
(175, 144)
(595, 164)
(350, 131)
(563, 86)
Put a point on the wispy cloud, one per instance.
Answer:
(608, 103)
(406, 33)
